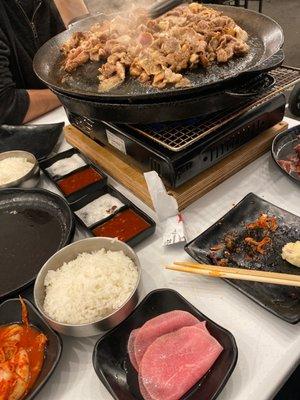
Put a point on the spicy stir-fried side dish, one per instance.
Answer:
(156, 51)
(22, 350)
(251, 244)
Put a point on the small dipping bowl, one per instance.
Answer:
(29, 180)
(69, 253)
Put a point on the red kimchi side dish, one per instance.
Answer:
(22, 352)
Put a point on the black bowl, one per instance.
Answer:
(283, 147)
(37, 139)
(10, 312)
(113, 367)
(24, 250)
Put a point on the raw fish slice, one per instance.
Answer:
(143, 390)
(176, 361)
(158, 326)
(130, 348)
(131, 340)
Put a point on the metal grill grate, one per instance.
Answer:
(178, 135)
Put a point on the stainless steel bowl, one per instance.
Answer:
(28, 181)
(69, 253)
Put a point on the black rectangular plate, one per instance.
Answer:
(10, 312)
(127, 204)
(113, 367)
(80, 193)
(283, 301)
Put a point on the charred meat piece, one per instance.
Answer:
(223, 262)
(217, 247)
(258, 246)
(246, 244)
(264, 222)
(229, 242)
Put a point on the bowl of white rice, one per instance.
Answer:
(18, 168)
(88, 287)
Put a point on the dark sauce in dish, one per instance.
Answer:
(79, 180)
(125, 225)
(28, 237)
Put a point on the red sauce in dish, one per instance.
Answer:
(22, 353)
(79, 180)
(124, 226)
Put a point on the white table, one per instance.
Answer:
(269, 349)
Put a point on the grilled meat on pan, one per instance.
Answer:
(156, 51)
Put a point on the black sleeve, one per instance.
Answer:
(14, 102)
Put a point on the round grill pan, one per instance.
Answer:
(169, 110)
(266, 39)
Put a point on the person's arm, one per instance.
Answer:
(70, 10)
(13, 102)
(18, 106)
(41, 101)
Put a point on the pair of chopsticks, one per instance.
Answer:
(162, 7)
(236, 273)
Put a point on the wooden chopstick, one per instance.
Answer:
(236, 273)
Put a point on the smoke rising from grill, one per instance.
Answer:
(116, 6)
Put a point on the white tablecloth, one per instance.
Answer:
(269, 349)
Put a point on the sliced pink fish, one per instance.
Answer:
(130, 348)
(174, 362)
(158, 326)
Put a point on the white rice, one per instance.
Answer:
(99, 209)
(13, 168)
(66, 165)
(90, 287)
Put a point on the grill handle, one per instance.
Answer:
(273, 62)
(256, 86)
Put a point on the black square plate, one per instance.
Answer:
(113, 367)
(10, 312)
(283, 301)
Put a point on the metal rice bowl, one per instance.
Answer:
(29, 180)
(69, 253)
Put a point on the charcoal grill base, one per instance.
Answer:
(177, 167)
